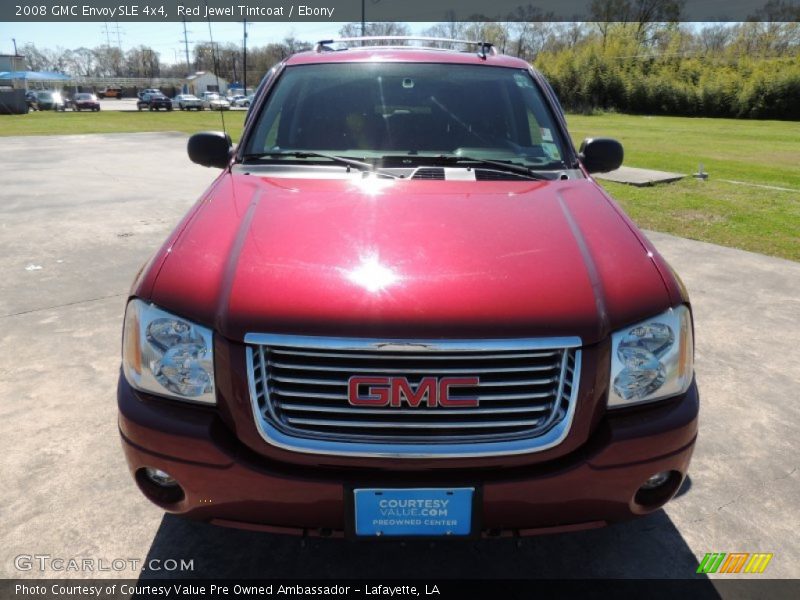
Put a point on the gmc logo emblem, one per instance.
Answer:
(394, 391)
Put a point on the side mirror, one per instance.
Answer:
(210, 149)
(600, 155)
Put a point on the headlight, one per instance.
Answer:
(166, 355)
(652, 360)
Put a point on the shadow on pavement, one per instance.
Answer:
(650, 547)
(685, 487)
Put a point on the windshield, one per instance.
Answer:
(380, 110)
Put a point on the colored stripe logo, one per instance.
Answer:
(734, 562)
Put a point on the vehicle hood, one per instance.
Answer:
(397, 258)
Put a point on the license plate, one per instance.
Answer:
(410, 512)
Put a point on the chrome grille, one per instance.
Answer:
(526, 395)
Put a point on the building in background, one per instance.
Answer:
(12, 62)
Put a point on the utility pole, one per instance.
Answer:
(15, 46)
(363, 20)
(108, 36)
(244, 58)
(186, 46)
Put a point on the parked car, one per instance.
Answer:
(84, 101)
(148, 91)
(244, 101)
(50, 101)
(215, 102)
(154, 102)
(112, 91)
(405, 308)
(31, 100)
(187, 102)
(233, 99)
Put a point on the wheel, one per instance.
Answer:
(169, 109)
(97, 109)
(151, 109)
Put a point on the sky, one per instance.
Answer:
(164, 38)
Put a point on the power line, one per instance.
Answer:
(186, 46)
(119, 38)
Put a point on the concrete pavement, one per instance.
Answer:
(80, 214)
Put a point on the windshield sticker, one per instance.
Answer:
(547, 135)
(523, 81)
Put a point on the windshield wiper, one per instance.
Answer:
(350, 162)
(509, 167)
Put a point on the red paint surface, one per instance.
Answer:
(408, 258)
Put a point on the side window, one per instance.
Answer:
(538, 122)
(534, 129)
(272, 133)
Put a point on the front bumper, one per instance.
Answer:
(226, 483)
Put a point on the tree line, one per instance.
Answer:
(747, 70)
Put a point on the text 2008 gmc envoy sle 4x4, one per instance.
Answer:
(404, 308)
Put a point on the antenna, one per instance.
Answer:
(216, 68)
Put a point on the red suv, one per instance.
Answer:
(405, 308)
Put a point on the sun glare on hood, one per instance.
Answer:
(371, 275)
(372, 185)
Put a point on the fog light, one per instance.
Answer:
(656, 480)
(656, 490)
(160, 477)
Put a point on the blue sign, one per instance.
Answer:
(410, 512)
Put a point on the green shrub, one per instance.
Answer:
(592, 77)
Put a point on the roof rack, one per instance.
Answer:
(325, 45)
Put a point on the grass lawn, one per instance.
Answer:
(758, 152)
(110, 121)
